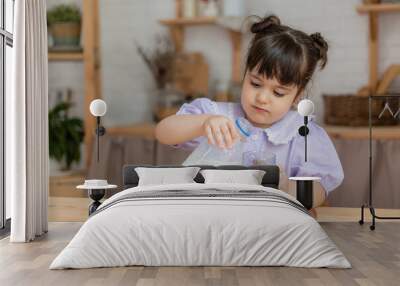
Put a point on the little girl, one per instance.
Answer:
(280, 63)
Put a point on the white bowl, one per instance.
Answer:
(96, 183)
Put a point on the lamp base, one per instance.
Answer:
(304, 190)
(96, 195)
(304, 193)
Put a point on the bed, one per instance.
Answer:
(201, 224)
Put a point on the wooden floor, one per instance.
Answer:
(375, 257)
(75, 209)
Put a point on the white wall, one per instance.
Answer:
(127, 83)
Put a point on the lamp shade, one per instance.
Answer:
(305, 107)
(98, 107)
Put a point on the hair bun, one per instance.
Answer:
(319, 40)
(322, 46)
(264, 24)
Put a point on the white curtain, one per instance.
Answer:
(27, 123)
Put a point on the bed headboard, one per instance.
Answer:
(130, 178)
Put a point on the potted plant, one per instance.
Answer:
(160, 60)
(65, 135)
(64, 23)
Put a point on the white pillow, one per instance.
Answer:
(163, 176)
(249, 177)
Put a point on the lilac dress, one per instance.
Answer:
(281, 139)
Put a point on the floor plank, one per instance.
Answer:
(375, 257)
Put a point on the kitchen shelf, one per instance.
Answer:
(387, 7)
(189, 21)
(177, 28)
(65, 56)
(376, 85)
(91, 65)
(354, 133)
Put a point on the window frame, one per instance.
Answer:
(6, 39)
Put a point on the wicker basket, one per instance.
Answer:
(371, 1)
(352, 110)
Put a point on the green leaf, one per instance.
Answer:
(64, 13)
(65, 135)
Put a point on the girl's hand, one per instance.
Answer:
(220, 131)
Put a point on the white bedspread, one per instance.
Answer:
(227, 231)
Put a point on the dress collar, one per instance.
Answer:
(282, 131)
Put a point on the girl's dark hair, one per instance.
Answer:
(289, 55)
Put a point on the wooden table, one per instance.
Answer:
(144, 130)
(378, 132)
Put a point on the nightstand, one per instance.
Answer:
(96, 190)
